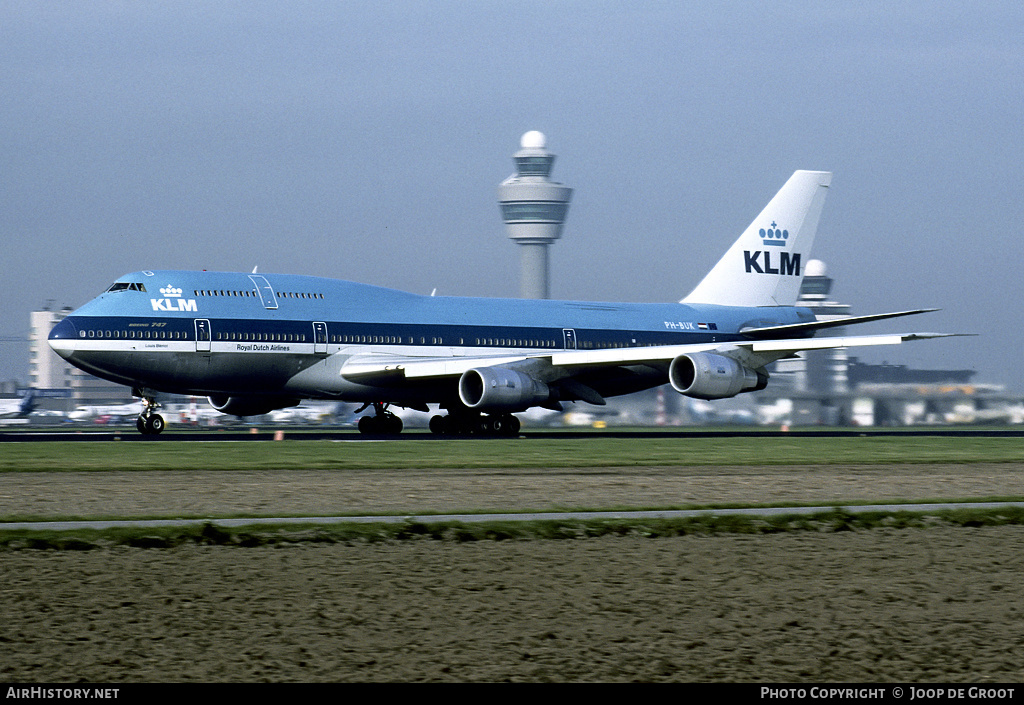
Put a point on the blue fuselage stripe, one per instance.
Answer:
(349, 332)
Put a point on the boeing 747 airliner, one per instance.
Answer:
(253, 343)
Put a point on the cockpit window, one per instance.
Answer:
(127, 286)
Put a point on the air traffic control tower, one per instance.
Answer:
(533, 208)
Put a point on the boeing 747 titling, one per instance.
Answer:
(253, 343)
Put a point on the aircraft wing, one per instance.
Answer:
(752, 353)
(383, 369)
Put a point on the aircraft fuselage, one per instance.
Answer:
(219, 333)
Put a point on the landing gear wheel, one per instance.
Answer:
(383, 423)
(506, 425)
(503, 425)
(150, 424)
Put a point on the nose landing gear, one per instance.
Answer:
(149, 422)
(150, 425)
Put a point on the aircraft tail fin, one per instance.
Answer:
(765, 266)
(28, 402)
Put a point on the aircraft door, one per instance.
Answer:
(569, 336)
(202, 335)
(319, 338)
(265, 291)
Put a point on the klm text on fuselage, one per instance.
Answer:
(173, 304)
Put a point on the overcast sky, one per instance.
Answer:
(365, 141)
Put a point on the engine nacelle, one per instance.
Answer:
(250, 406)
(710, 376)
(498, 389)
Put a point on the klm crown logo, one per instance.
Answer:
(768, 262)
(170, 291)
(774, 236)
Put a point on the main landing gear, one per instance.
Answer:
(475, 424)
(149, 422)
(382, 423)
(458, 422)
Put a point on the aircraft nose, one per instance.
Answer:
(63, 338)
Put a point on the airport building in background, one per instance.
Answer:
(816, 380)
(534, 209)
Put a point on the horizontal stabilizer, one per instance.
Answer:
(812, 326)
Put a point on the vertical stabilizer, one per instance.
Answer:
(765, 266)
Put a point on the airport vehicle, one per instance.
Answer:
(253, 343)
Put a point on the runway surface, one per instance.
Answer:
(300, 434)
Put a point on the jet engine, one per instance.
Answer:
(497, 389)
(250, 406)
(710, 376)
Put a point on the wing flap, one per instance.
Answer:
(374, 368)
(762, 352)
